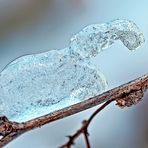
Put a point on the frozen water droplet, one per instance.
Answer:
(34, 85)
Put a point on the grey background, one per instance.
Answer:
(32, 26)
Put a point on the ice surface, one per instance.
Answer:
(34, 85)
(94, 38)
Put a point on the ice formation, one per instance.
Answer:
(34, 85)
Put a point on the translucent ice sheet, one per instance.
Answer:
(34, 85)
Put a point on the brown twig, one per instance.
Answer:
(86, 134)
(84, 128)
(125, 95)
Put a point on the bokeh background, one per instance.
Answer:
(32, 26)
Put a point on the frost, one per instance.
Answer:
(34, 85)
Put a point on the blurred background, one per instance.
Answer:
(32, 26)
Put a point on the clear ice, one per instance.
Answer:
(34, 85)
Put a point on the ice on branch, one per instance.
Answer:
(34, 85)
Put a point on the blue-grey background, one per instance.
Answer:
(32, 26)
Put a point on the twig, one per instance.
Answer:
(125, 95)
(86, 134)
(84, 128)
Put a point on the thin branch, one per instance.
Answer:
(125, 95)
(84, 128)
(86, 134)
